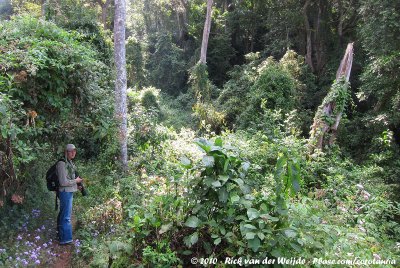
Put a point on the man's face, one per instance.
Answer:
(71, 154)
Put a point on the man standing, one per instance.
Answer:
(66, 172)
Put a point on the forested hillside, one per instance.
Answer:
(256, 132)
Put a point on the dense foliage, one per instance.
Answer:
(52, 91)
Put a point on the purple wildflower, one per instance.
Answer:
(19, 237)
(37, 237)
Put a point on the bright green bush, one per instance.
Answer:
(149, 99)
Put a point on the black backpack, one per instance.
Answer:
(52, 178)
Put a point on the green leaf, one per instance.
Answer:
(223, 195)
(226, 165)
(253, 213)
(192, 239)
(245, 166)
(217, 241)
(216, 184)
(295, 247)
(218, 142)
(290, 233)
(296, 185)
(187, 252)
(254, 244)
(245, 203)
(192, 222)
(261, 235)
(186, 162)
(235, 198)
(249, 226)
(239, 182)
(4, 132)
(250, 235)
(223, 178)
(208, 161)
(269, 217)
(165, 227)
(203, 144)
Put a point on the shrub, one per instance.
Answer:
(149, 99)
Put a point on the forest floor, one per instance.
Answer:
(36, 244)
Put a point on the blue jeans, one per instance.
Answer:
(64, 217)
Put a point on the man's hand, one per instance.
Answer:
(78, 180)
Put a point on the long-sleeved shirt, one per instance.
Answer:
(66, 176)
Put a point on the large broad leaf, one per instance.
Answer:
(254, 244)
(204, 144)
(216, 184)
(245, 166)
(216, 149)
(294, 169)
(217, 241)
(290, 233)
(239, 182)
(235, 198)
(279, 167)
(261, 235)
(253, 213)
(192, 239)
(249, 226)
(218, 142)
(223, 178)
(250, 235)
(223, 194)
(269, 217)
(245, 203)
(226, 165)
(165, 227)
(208, 161)
(186, 163)
(192, 222)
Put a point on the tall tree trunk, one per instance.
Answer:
(340, 24)
(328, 116)
(43, 8)
(181, 16)
(104, 11)
(308, 57)
(320, 36)
(121, 80)
(206, 32)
